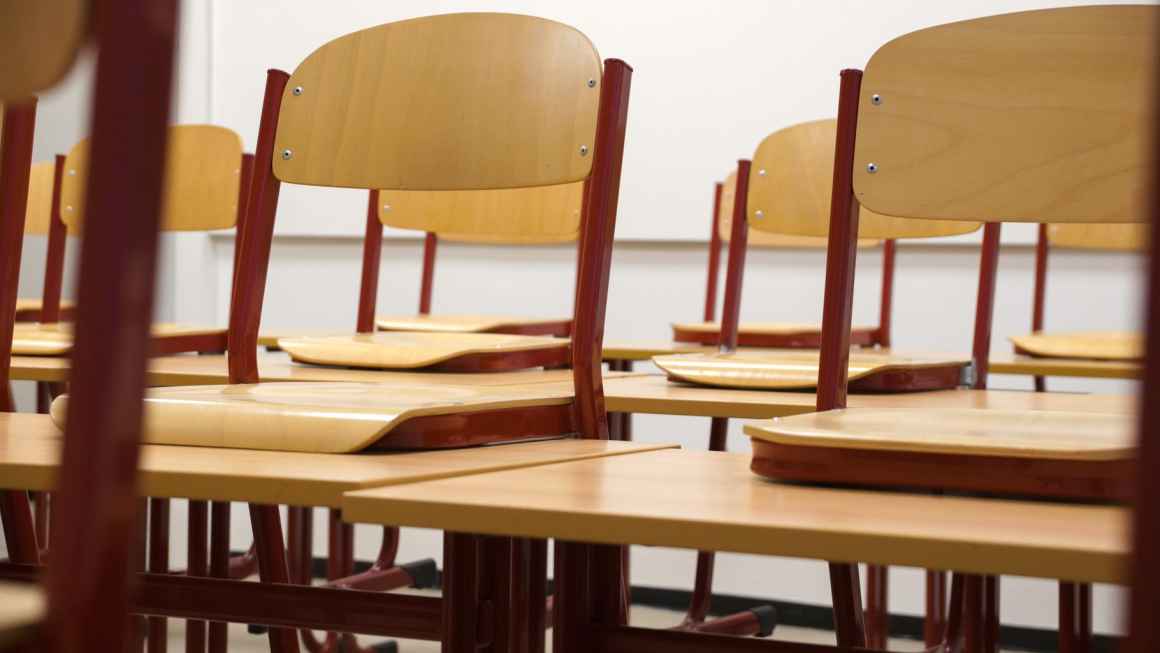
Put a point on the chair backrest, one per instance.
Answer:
(456, 102)
(202, 180)
(39, 42)
(514, 216)
(761, 237)
(1034, 116)
(789, 190)
(1111, 237)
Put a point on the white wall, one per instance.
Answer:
(711, 79)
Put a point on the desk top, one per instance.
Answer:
(1092, 369)
(21, 609)
(711, 501)
(30, 453)
(655, 394)
(189, 369)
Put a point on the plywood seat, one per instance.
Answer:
(789, 369)
(1090, 345)
(33, 339)
(28, 309)
(1044, 453)
(509, 324)
(463, 352)
(319, 417)
(769, 334)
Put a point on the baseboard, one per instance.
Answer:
(1019, 638)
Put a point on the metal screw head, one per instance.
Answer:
(761, 173)
(759, 214)
(68, 208)
(592, 83)
(876, 99)
(872, 168)
(72, 173)
(297, 90)
(386, 207)
(287, 155)
(583, 150)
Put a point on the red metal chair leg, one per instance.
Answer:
(197, 564)
(219, 567)
(991, 614)
(934, 623)
(158, 627)
(1074, 618)
(19, 527)
(877, 606)
(272, 567)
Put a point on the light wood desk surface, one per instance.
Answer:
(276, 366)
(711, 501)
(30, 454)
(21, 609)
(655, 394)
(1091, 369)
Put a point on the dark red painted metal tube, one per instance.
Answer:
(599, 224)
(627, 639)
(54, 259)
(197, 565)
(934, 622)
(368, 292)
(257, 235)
(714, 256)
(246, 174)
(841, 253)
(985, 303)
(272, 567)
(158, 628)
(219, 566)
(1039, 301)
(427, 282)
(89, 581)
(886, 303)
(735, 269)
(19, 527)
(572, 608)
(461, 566)
(15, 162)
(877, 606)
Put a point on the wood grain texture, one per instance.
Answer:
(719, 505)
(38, 214)
(450, 102)
(643, 351)
(312, 417)
(449, 323)
(791, 186)
(21, 610)
(1076, 367)
(409, 350)
(654, 394)
(202, 177)
(784, 369)
(1054, 435)
(1091, 345)
(33, 339)
(1037, 116)
(1113, 237)
(39, 41)
(30, 455)
(518, 216)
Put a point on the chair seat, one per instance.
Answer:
(319, 417)
(1092, 345)
(1046, 453)
(33, 339)
(475, 324)
(798, 370)
(415, 350)
(777, 335)
(28, 309)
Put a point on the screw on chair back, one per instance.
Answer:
(202, 180)
(456, 102)
(1034, 116)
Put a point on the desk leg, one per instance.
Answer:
(486, 594)
(1075, 617)
(267, 525)
(197, 564)
(158, 639)
(934, 624)
(877, 606)
(219, 566)
(590, 590)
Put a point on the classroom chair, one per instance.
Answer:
(785, 194)
(779, 335)
(1083, 345)
(1062, 144)
(88, 582)
(43, 219)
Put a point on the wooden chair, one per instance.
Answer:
(796, 158)
(88, 581)
(43, 219)
(518, 216)
(1062, 145)
(1084, 345)
(776, 334)
(204, 191)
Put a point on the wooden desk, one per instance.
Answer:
(277, 366)
(711, 501)
(30, 451)
(1033, 366)
(21, 610)
(655, 394)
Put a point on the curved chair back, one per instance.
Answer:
(39, 42)
(1109, 237)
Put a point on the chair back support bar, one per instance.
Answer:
(541, 215)
(39, 43)
(715, 237)
(735, 268)
(368, 292)
(54, 257)
(450, 102)
(203, 175)
(1035, 116)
